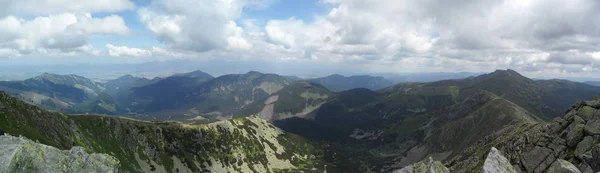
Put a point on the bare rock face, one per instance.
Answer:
(592, 158)
(563, 166)
(18, 154)
(425, 166)
(545, 147)
(495, 162)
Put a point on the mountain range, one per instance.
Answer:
(193, 97)
(271, 123)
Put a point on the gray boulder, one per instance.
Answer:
(592, 127)
(575, 132)
(593, 158)
(18, 154)
(583, 146)
(536, 158)
(563, 166)
(495, 162)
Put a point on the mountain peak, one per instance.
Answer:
(195, 74)
(254, 73)
(58, 78)
(127, 76)
(508, 72)
(502, 74)
(46, 74)
(335, 76)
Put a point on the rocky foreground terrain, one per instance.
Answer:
(570, 144)
(18, 154)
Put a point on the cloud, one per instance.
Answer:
(124, 51)
(47, 7)
(474, 35)
(199, 26)
(532, 36)
(65, 31)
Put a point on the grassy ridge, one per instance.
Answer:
(240, 145)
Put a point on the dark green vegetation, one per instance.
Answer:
(121, 87)
(101, 104)
(338, 82)
(238, 145)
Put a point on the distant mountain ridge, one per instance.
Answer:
(57, 92)
(338, 82)
(199, 97)
(204, 100)
(595, 83)
(195, 74)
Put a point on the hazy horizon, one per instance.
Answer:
(103, 72)
(540, 39)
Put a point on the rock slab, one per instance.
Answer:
(18, 154)
(495, 162)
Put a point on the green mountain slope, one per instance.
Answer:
(299, 99)
(101, 104)
(239, 145)
(56, 92)
(544, 98)
(122, 85)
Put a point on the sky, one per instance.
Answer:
(539, 38)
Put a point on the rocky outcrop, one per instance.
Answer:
(547, 147)
(495, 162)
(18, 154)
(425, 166)
(563, 166)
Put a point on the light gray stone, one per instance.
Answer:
(563, 166)
(495, 162)
(583, 146)
(575, 131)
(18, 154)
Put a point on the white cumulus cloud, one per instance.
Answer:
(200, 26)
(125, 51)
(46, 7)
(65, 31)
